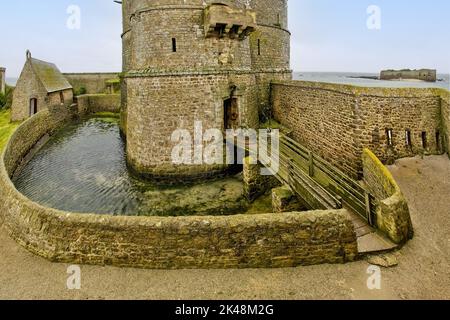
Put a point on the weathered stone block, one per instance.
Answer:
(284, 200)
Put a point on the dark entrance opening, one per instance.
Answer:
(231, 114)
(231, 122)
(33, 106)
(438, 141)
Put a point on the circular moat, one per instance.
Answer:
(82, 168)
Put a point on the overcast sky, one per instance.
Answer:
(328, 35)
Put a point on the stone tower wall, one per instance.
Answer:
(163, 90)
(270, 47)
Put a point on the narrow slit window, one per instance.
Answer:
(259, 47)
(438, 140)
(174, 45)
(390, 137)
(408, 140)
(424, 140)
(61, 97)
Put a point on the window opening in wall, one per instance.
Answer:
(389, 135)
(174, 45)
(408, 139)
(220, 29)
(438, 140)
(424, 140)
(61, 97)
(259, 47)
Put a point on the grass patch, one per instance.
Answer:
(6, 127)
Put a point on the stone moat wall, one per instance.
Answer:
(93, 83)
(339, 121)
(93, 103)
(241, 241)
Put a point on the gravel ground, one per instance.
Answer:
(423, 271)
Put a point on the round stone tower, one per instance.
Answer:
(270, 47)
(187, 62)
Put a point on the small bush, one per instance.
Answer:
(80, 91)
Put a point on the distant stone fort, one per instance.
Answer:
(196, 60)
(422, 74)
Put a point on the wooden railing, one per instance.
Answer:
(322, 184)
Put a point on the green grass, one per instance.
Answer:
(6, 127)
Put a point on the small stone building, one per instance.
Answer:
(40, 85)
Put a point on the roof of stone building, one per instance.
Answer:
(50, 76)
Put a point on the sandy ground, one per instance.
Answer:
(423, 271)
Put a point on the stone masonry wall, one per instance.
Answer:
(445, 111)
(92, 103)
(253, 241)
(392, 212)
(338, 121)
(93, 82)
(255, 184)
(162, 105)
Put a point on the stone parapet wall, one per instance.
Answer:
(93, 103)
(392, 212)
(445, 115)
(337, 121)
(93, 82)
(253, 241)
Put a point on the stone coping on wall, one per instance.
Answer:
(392, 212)
(366, 91)
(240, 241)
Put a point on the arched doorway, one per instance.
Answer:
(33, 106)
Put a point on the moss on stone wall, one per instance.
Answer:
(392, 218)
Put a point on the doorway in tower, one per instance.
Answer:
(33, 106)
(231, 114)
(231, 121)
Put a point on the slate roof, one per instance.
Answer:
(50, 76)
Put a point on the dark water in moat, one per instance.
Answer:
(83, 169)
